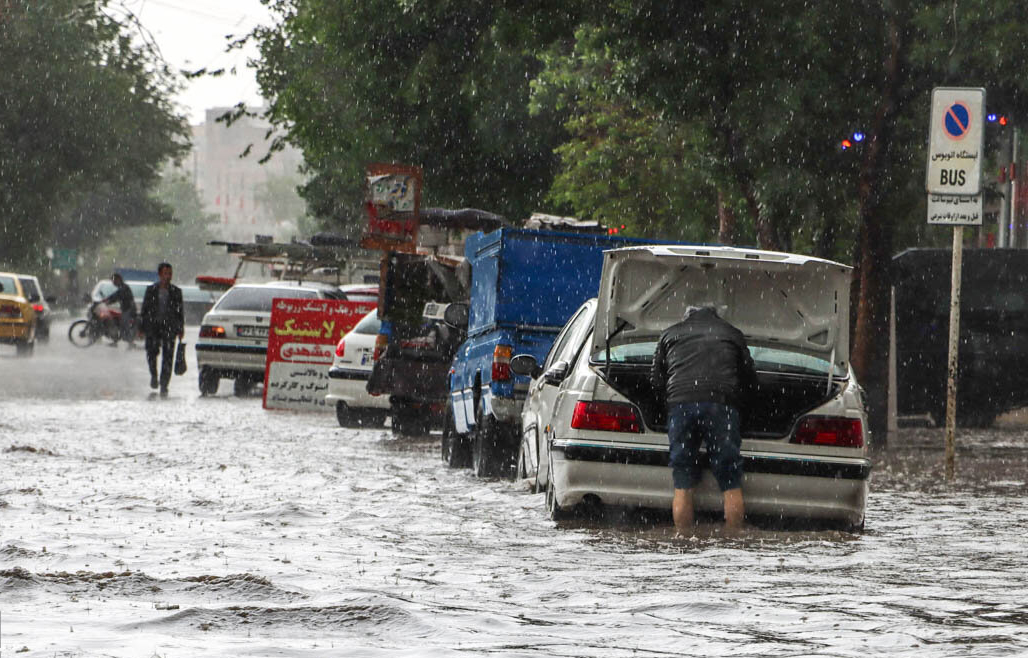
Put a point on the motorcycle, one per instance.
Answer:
(101, 322)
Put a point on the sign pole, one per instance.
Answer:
(956, 144)
(954, 348)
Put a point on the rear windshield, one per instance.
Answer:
(259, 298)
(369, 324)
(766, 359)
(31, 290)
(8, 286)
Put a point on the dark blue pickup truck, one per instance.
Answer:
(525, 284)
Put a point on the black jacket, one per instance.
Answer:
(702, 359)
(174, 322)
(123, 295)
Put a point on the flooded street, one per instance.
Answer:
(133, 526)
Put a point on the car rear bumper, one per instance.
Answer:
(15, 330)
(240, 358)
(790, 486)
(351, 386)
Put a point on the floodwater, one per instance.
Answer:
(140, 527)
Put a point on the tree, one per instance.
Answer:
(85, 125)
(182, 241)
(442, 85)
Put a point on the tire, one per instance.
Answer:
(343, 415)
(553, 510)
(522, 471)
(25, 347)
(81, 334)
(456, 452)
(208, 380)
(242, 386)
(491, 454)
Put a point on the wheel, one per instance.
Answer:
(208, 380)
(25, 347)
(491, 452)
(345, 416)
(455, 449)
(553, 510)
(242, 386)
(81, 334)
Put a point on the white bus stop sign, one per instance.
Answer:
(955, 145)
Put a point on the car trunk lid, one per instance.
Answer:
(776, 299)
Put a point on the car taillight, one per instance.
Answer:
(841, 432)
(38, 308)
(501, 362)
(341, 348)
(606, 417)
(381, 341)
(10, 311)
(211, 331)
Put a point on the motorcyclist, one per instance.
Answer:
(123, 295)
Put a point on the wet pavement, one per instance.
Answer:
(134, 526)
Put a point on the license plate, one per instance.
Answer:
(252, 332)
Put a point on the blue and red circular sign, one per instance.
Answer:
(956, 122)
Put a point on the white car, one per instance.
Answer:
(592, 432)
(349, 374)
(233, 340)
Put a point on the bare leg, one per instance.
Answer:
(734, 508)
(682, 510)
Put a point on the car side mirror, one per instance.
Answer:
(456, 315)
(525, 364)
(557, 372)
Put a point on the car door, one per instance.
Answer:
(545, 391)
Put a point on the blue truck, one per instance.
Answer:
(525, 284)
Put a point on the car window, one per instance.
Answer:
(369, 324)
(31, 289)
(9, 288)
(564, 338)
(259, 298)
(579, 328)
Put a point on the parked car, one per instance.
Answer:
(40, 304)
(349, 374)
(196, 302)
(17, 317)
(360, 292)
(592, 432)
(233, 339)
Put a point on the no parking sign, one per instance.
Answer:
(955, 144)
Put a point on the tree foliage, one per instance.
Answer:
(441, 84)
(85, 125)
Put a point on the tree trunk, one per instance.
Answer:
(869, 354)
(726, 233)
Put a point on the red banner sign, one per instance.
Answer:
(302, 340)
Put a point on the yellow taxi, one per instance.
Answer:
(17, 318)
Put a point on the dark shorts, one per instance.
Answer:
(713, 425)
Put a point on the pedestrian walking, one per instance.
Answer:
(703, 372)
(163, 321)
(127, 303)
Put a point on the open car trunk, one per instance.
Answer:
(771, 411)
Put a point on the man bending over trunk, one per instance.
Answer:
(702, 370)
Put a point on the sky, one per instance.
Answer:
(190, 34)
